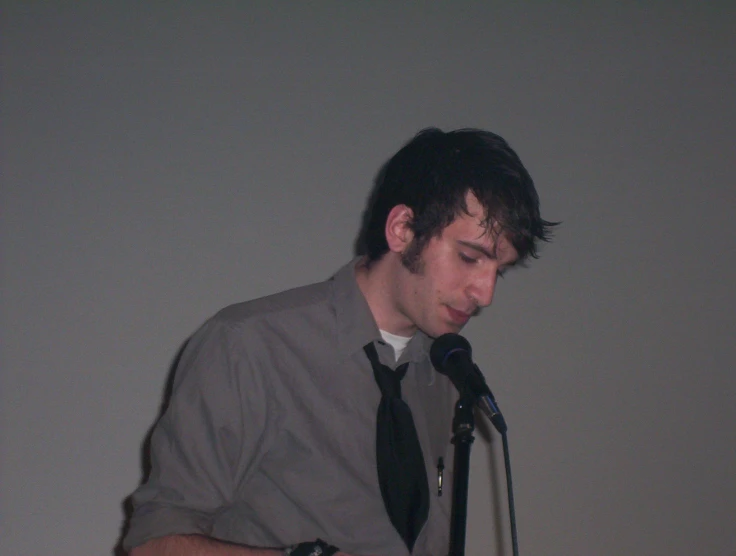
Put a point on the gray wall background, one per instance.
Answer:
(161, 160)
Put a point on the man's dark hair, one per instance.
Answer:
(432, 175)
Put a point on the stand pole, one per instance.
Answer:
(463, 426)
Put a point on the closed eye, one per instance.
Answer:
(467, 259)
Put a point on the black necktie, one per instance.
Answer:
(401, 472)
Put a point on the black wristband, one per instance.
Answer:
(314, 548)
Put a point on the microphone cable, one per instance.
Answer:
(510, 493)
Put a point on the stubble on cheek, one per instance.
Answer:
(412, 258)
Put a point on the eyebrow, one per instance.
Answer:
(480, 249)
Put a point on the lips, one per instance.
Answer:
(458, 317)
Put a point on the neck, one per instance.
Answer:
(377, 283)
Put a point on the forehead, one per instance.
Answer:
(471, 227)
(473, 207)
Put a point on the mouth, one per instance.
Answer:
(458, 317)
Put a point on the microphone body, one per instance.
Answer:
(451, 355)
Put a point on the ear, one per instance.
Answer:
(398, 228)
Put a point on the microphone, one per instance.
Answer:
(451, 355)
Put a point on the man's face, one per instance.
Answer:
(455, 275)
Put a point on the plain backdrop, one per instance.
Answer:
(163, 159)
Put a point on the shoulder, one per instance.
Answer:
(257, 333)
(312, 298)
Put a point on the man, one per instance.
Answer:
(287, 422)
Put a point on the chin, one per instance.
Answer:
(444, 329)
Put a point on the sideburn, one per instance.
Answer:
(411, 257)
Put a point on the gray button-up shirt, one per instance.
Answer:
(269, 436)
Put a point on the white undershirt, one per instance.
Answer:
(399, 343)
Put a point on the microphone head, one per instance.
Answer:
(446, 345)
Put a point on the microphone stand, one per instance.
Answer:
(463, 425)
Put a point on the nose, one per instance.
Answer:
(482, 288)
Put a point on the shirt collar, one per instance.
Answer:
(356, 326)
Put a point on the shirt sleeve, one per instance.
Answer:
(206, 440)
